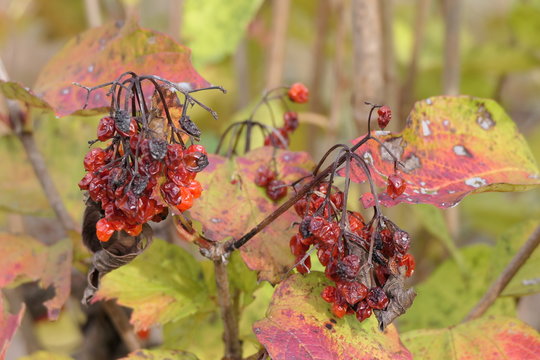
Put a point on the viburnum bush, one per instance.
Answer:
(270, 254)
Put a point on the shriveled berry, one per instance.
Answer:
(290, 121)
(409, 262)
(298, 93)
(296, 245)
(402, 241)
(305, 266)
(396, 186)
(385, 115)
(195, 161)
(329, 294)
(134, 230)
(85, 181)
(175, 154)
(339, 310)
(158, 149)
(195, 188)
(350, 265)
(264, 175)
(171, 193)
(195, 148)
(122, 120)
(94, 159)
(104, 230)
(105, 129)
(278, 139)
(276, 190)
(363, 311)
(189, 126)
(377, 298)
(352, 291)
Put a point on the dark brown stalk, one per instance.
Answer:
(233, 347)
(121, 323)
(508, 273)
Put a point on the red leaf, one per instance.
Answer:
(452, 147)
(30, 260)
(299, 325)
(484, 338)
(231, 204)
(8, 326)
(101, 54)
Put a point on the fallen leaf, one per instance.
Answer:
(30, 260)
(101, 54)
(161, 285)
(492, 337)
(227, 182)
(452, 147)
(299, 325)
(8, 326)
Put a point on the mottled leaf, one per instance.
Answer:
(15, 91)
(492, 337)
(452, 147)
(229, 183)
(30, 260)
(8, 326)
(527, 279)
(448, 294)
(213, 29)
(160, 354)
(101, 54)
(162, 284)
(299, 325)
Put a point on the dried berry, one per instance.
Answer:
(385, 115)
(276, 190)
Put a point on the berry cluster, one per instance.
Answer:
(358, 256)
(140, 173)
(123, 176)
(266, 178)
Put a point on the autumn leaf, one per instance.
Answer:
(159, 354)
(452, 147)
(8, 326)
(162, 284)
(492, 337)
(227, 182)
(101, 54)
(299, 325)
(30, 260)
(45, 355)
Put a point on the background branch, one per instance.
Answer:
(508, 273)
(280, 18)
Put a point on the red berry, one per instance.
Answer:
(85, 181)
(363, 311)
(175, 154)
(352, 291)
(329, 294)
(402, 241)
(409, 262)
(381, 273)
(303, 268)
(104, 230)
(276, 190)
(105, 129)
(396, 186)
(134, 230)
(350, 265)
(368, 200)
(171, 193)
(186, 201)
(196, 148)
(385, 115)
(264, 175)
(94, 159)
(296, 245)
(130, 131)
(356, 222)
(195, 188)
(377, 298)
(339, 310)
(290, 121)
(298, 93)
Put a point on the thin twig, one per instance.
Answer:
(508, 273)
(121, 323)
(233, 347)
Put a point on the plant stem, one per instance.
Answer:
(280, 20)
(508, 273)
(233, 347)
(93, 15)
(42, 173)
(122, 325)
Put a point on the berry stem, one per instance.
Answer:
(507, 274)
(233, 347)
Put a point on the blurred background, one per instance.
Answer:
(346, 51)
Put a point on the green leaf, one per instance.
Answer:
(299, 325)
(448, 295)
(213, 28)
(163, 284)
(432, 220)
(527, 279)
(158, 354)
(493, 337)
